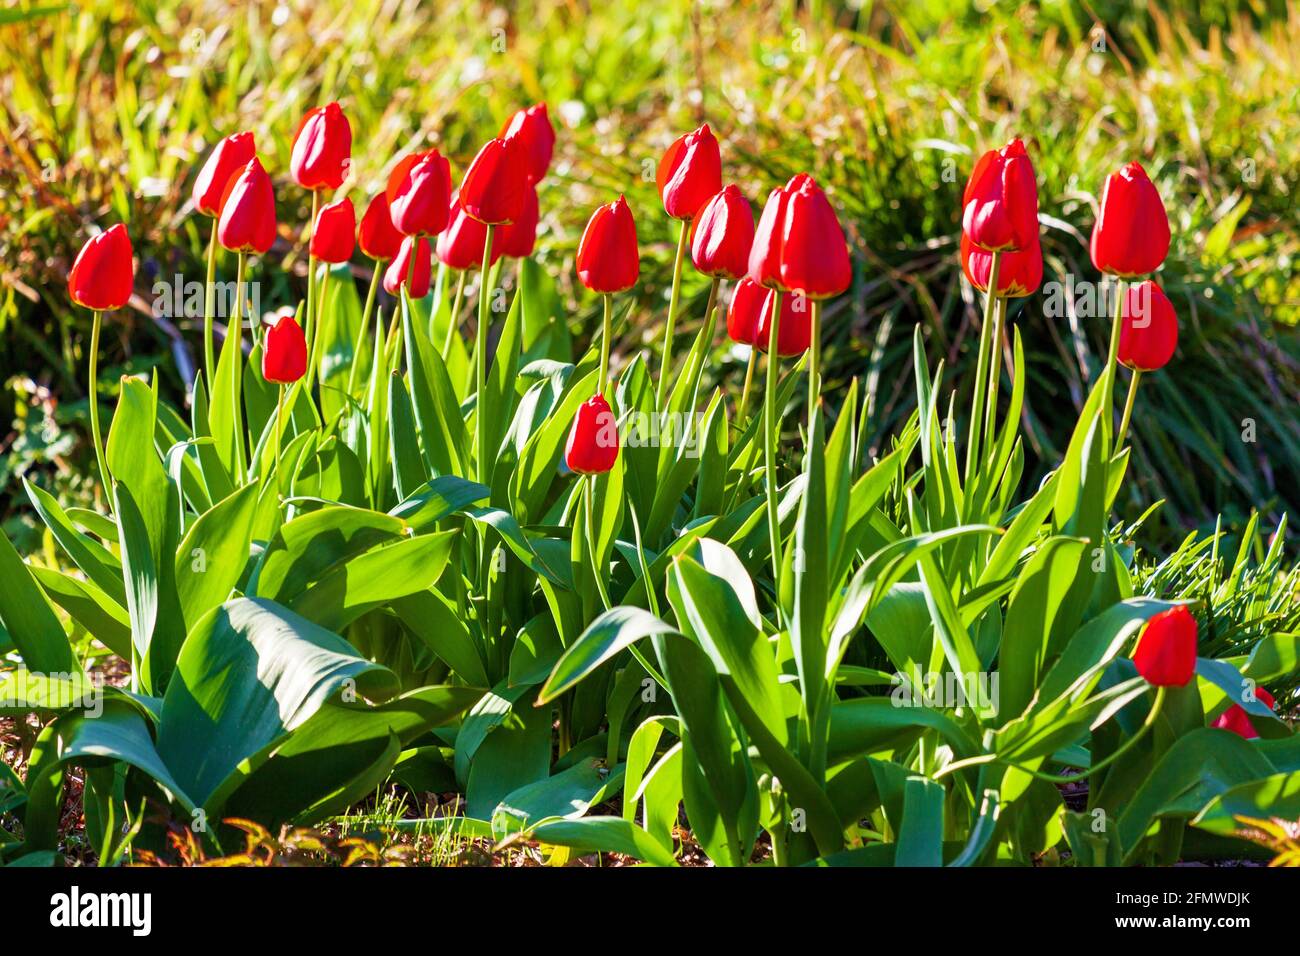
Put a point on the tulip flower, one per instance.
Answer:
(1166, 651)
(322, 149)
(495, 184)
(376, 235)
(1236, 720)
(1131, 235)
(690, 173)
(794, 330)
(247, 222)
(415, 277)
(1019, 273)
(231, 155)
(765, 252)
(333, 237)
(460, 245)
(593, 441)
(516, 240)
(532, 128)
(419, 188)
(1147, 339)
(723, 234)
(102, 277)
(284, 352)
(1000, 204)
(814, 255)
(743, 315)
(608, 260)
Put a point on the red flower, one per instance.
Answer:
(690, 173)
(333, 237)
(460, 245)
(765, 253)
(814, 255)
(794, 335)
(247, 222)
(724, 231)
(399, 270)
(593, 440)
(231, 155)
(1019, 273)
(742, 315)
(377, 236)
(1149, 335)
(495, 183)
(1131, 235)
(532, 128)
(1237, 720)
(419, 190)
(322, 149)
(1000, 205)
(608, 260)
(517, 239)
(1166, 651)
(284, 357)
(103, 273)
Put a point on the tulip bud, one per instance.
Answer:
(247, 222)
(517, 239)
(690, 173)
(743, 314)
(333, 236)
(398, 273)
(377, 236)
(284, 354)
(495, 183)
(103, 273)
(532, 128)
(608, 259)
(1149, 335)
(794, 334)
(593, 440)
(231, 155)
(1000, 205)
(1166, 651)
(724, 231)
(322, 149)
(814, 255)
(419, 190)
(1236, 720)
(1019, 273)
(1131, 235)
(765, 253)
(460, 245)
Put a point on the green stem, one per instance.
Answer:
(769, 447)
(596, 570)
(313, 353)
(665, 367)
(279, 441)
(814, 357)
(311, 272)
(995, 373)
(94, 407)
(1128, 410)
(236, 328)
(744, 392)
(605, 331)
(209, 292)
(453, 313)
(1113, 357)
(480, 364)
(982, 370)
(361, 328)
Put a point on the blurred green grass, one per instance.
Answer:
(109, 108)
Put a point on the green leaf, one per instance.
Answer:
(920, 836)
(213, 556)
(611, 632)
(604, 835)
(27, 616)
(311, 544)
(567, 794)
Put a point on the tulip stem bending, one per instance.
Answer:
(982, 369)
(236, 328)
(1112, 359)
(209, 293)
(769, 446)
(1128, 410)
(665, 368)
(606, 329)
(484, 461)
(94, 405)
(361, 328)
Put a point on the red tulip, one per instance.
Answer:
(398, 273)
(333, 237)
(247, 222)
(231, 155)
(377, 236)
(690, 173)
(742, 316)
(532, 128)
(322, 149)
(794, 335)
(1019, 273)
(608, 260)
(1000, 205)
(517, 239)
(103, 273)
(765, 253)
(1166, 651)
(284, 356)
(494, 185)
(1149, 335)
(460, 245)
(814, 255)
(1236, 719)
(1131, 235)
(724, 231)
(419, 190)
(593, 440)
